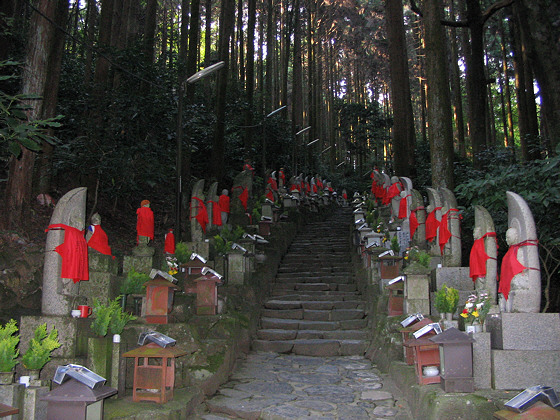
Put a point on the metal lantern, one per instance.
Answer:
(80, 395)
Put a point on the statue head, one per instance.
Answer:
(512, 236)
(225, 192)
(96, 219)
(145, 203)
(477, 232)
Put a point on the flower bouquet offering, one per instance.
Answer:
(476, 308)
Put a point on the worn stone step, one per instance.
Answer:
(315, 315)
(313, 304)
(280, 334)
(318, 348)
(313, 287)
(297, 324)
(315, 295)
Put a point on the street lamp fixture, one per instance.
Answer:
(205, 72)
(312, 142)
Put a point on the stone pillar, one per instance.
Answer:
(452, 250)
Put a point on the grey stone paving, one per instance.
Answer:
(273, 386)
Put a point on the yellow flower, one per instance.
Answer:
(464, 315)
(475, 314)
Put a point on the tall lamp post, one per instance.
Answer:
(179, 141)
(276, 111)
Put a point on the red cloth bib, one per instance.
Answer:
(512, 267)
(223, 202)
(432, 225)
(73, 252)
(99, 241)
(413, 221)
(478, 258)
(403, 207)
(202, 214)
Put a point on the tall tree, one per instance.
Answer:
(403, 127)
(227, 19)
(544, 34)
(39, 75)
(440, 131)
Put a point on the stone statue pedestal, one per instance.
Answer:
(417, 294)
(525, 348)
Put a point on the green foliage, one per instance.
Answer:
(447, 299)
(182, 253)
(8, 346)
(414, 254)
(226, 238)
(40, 347)
(103, 315)
(395, 246)
(134, 282)
(371, 220)
(119, 318)
(538, 182)
(15, 128)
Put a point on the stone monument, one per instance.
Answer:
(214, 213)
(196, 211)
(417, 219)
(60, 294)
(450, 230)
(484, 252)
(520, 282)
(433, 220)
(240, 195)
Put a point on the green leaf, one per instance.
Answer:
(14, 148)
(30, 144)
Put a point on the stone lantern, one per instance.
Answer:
(395, 303)
(206, 290)
(455, 355)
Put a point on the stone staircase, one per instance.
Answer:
(315, 308)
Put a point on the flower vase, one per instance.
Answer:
(34, 377)
(7, 378)
(473, 328)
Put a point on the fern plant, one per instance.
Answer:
(40, 348)
(8, 346)
(119, 318)
(134, 282)
(447, 299)
(103, 314)
(182, 253)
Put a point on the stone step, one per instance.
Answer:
(340, 287)
(297, 324)
(316, 279)
(315, 314)
(314, 304)
(279, 335)
(314, 275)
(318, 348)
(315, 295)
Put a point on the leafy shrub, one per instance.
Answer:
(134, 283)
(182, 253)
(8, 346)
(447, 299)
(119, 318)
(40, 347)
(103, 314)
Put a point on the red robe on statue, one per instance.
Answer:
(145, 223)
(202, 214)
(169, 245)
(244, 196)
(73, 252)
(99, 240)
(216, 213)
(403, 207)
